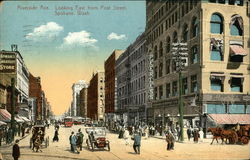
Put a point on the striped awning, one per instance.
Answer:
(5, 116)
(236, 50)
(230, 118)
(2, 123)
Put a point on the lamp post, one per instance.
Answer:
(180, 56)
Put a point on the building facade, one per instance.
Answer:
(216, 79)
(76, 88)
(110, 84)
(83, 102)
(96, 97)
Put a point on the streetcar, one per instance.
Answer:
(68, 121)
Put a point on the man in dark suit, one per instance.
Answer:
(137, 142)
(16, 150)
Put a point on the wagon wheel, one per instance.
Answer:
(245, 140)
(233, 138)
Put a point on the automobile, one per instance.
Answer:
(97, 138)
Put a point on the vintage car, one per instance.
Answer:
(39, 130)
(97, 138)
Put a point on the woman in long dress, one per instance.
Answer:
(56, 136)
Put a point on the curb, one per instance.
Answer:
(10, 144)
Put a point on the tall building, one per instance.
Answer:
(216, 79)
(83, 102)
(110, 84)
(76, 88)
(96, 97)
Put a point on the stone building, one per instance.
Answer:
(110, 84)
(216, 79)
(96, 97)
(83, 102)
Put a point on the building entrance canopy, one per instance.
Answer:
(5, 116)
(230, 118)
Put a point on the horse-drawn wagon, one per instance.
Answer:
(244, 134)
(97, 138)
(39, 137)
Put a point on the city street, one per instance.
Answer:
(152, 148)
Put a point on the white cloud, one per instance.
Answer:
(81, 38)
(116, 36)
(48, 31)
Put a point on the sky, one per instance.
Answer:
(66, 41)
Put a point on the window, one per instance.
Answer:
(160, 92)
(185, 33)
(155, 73)
(236, 108)
(231, 2)
(168, 91)
(248, 109)
(236, 58)
(216, 51)
(239, 2)
(184, 86)
(195, 28)
(194, 55)
(236, 84)
(175, 38)
(168, 66)
(155, 93)
(216, 84)
(222, 1)
(168, 45)
(236, 25)
(155, 53)
(194, 84)
(216, 108)
(175, 89)
(160, 69)
(216, 24)
(173, 66)
(161, 50)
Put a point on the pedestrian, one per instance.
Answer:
(137, 142)
(146, 132)
(189, 132)
(79, 140)
(126, 136)
(56, 138)
(23, 130)
(16, 150)
(201, 135)
(72, 140)
(170, 140)
(196, 136)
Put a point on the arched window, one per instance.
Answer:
(161, 50)
(195, 27)
(236, 25)
(216, 24)
(185, 33)
(155, 53)
(168, 44)
(175, 38)
(194, 55)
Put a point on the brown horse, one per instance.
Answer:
(216, 132)
(228, 135)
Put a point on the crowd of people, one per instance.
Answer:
(76, 141)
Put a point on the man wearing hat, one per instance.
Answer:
(16, 150)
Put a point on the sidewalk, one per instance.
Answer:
(16, 137)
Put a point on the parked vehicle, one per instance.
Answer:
(97, 138)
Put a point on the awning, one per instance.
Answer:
(24, 118)
(230, 118)
(19, 119)
(217, 76)
(5, 116)
(236, 50)
(2, 123)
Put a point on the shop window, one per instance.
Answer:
(194, 55)
(168, 92)
(236, 25)
(248, 109)
(216, 24)
(216, 84)
(168, 45)
(216, 109)
(236, 108)
(195, 27)
(236, 84)
(184, 86)
(175, 88)
(185, 33)
(194, 84)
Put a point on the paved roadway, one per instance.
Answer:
(151, 149)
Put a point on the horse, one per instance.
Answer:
(216, 132)
(230, 135)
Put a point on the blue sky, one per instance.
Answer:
(64, 49)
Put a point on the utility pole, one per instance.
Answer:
(13, 97)
(180, 56)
